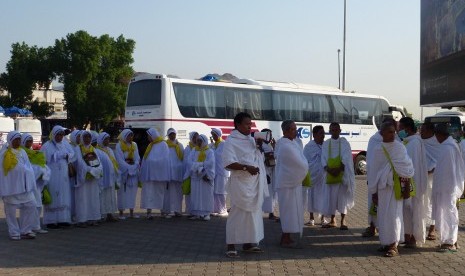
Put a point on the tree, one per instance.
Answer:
(28, 67)
(41, 109)
(95, 72)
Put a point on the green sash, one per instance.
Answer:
(398, 189)
(335, 162)
(307, 182)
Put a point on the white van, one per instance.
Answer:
(31, 126)
(6, 125)
(454, 119)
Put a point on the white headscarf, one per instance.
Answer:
(11, 136)
(170, 130)
(56, 130)
(101, 137)
(192, 134)
(124, 135)
(153, 133)
(204, 140)
(83, 133)
(74, 135)
(217, 131)
(94, 138)
(24, 138)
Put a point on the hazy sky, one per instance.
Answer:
(292, 40)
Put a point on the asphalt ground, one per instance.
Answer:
(179, 246)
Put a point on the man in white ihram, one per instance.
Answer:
(291, 169)
(247, 188)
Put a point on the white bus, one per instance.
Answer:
(162, 102)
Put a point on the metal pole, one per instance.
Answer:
(339, 67)
(344, 52)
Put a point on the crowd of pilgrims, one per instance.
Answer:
(414, 181)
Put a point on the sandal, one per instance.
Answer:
(232, 254)
(447, 248)
(329, 225)
(369, 232)
(431, 236)
(253, 249)
(392, 252)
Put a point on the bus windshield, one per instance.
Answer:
(144, 92)
(454, 123)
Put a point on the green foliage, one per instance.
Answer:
(95, 72)
(40, 109)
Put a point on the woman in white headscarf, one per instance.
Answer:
(187, 152)
(221, 175)
(15, 168)
(202, 173)
(42, 176)
(155, 173)
(89, 172)
(127, 155)
(58, 155)
(111, 177)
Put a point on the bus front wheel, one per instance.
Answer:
(360, 164)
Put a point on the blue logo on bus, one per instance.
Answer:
(303, 132)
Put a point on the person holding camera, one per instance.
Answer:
(247, 188)
(267, 146)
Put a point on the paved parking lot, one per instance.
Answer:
(178, 246)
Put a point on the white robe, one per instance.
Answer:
(186, 165)
(390, 218)
(269, 202)
(415, 208)
(154, 175)
(317, 194)
(18, 196)
(201, 190)
(87, 191)
(59, 211)
(221, 174)
(341, 196)
(246, 191)
(432, 151)
(129, 178)
(291, 169)
(448, 186)
(111, 177)
(375, 139)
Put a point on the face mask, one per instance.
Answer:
(402, 134)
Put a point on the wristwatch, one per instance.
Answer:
(244, 168)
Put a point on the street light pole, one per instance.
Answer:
(344, 52)
(339, 67)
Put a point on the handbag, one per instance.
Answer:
(46, 196)
(335, 162)
(186, 186)
(307, 182)
(71, 170)
(270, 161)
(400, 183)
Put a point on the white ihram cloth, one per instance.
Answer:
(186, 164)
(87, 191)
(221, 180)
(381, 181)
(291, 169)
(269, 202)
(432, 151)
(246, 191)
(341, 196)
(20, 195)
(202, 191)
(317, 194)
(154, 175)
(110, 179)
(415, 208)
(375, 139)
(448, 187)
(58, 155)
